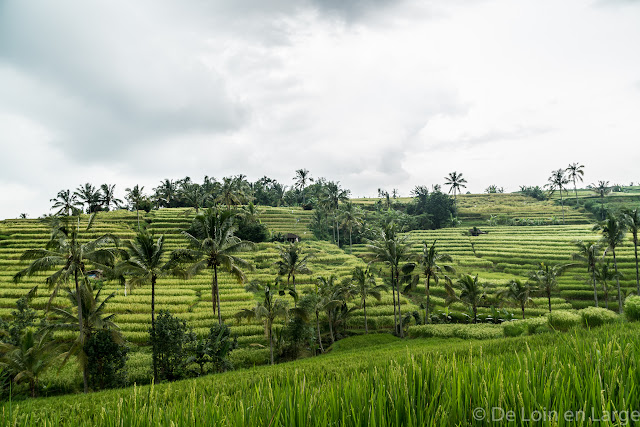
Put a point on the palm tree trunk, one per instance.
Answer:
(351, 245)
(364, 308)
(85, 373)
(575, 188)
(549, 298)
(635, 250)
(395, 315)
(562, 203)
(333, 339)
(615, 266)
(595, 288)
(319, 336)
(295, 300)
(427, 319)
(522, 307)
(475, 314)
(399, 309)
(213, 292)
(154, 353)
(217, 295)
(270, 341)
(338, 231)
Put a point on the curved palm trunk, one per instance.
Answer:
(615, 266)
(333, 339)
(319, 336)
(85, 373)
(364, 308)
(154, 352)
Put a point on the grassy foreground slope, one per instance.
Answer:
(411, 382)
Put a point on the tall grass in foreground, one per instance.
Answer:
(412, 383)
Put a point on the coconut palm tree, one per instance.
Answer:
(143, 264)
(293, 261)
(231, 192)
(69, 255)
(588, 252)
(194, 195)
(575, 172)
(108, 197)
(613, 230)
(66, 202)
(332, 197)
(632, 219)
(301, 179)
(135, 197)
(266, 310)
(28, 360)
(604, 273)
(213, 246)
(392, 251)
(557, 182)
(546, 278)
(364, 283)
(471, 291)
(352, 217)
(430, 262)
(88, 195)
(331, 297)
(519, 293)
(167, 191)
(602, 188)
(91, 315)
(456, 182)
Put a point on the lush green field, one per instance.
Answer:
(577, 378)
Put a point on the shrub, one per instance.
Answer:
(563, 320)
(172, 343)
(597, 316)
(106, 360)
(220, 346)
(632, 308)
(529, 326)
(248, 357)
(472, 331)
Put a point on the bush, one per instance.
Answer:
(632, 308)
(563, 320)
(524, 326)
(172, 343)
(220, 345)
(472, 331)
(248, 358)
(253, 232)
(597, 316)
(106, 360)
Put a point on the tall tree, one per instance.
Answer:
(333, 196)
(364, 282)
(352, 217)
(456, 182)
(602, 188)
(392, 250)
(519, 293)
(69, 255)
(88, 195)
(213, 246)
(546, 278)
(613, 230)
(166, 192)
(557, 182)
(108, 197)
(604, 273)
(231, 192)
(135, 197)
(588, 252)
(471, 291)
(432, 264)
(194, 195)
(293, 261)
(66, 202)
(632, 219)
(575, 172)
(301, 179)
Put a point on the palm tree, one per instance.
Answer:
(231, 192)
(456, 182)
(575, 172)
(166, 191)
(91, 315)
(601, 189)
(88, 195)
(558, 182)
(194, 195)
(293, 261)
(613, 230)
(604, 273)
(471, 293)
(588, 253)
(632, 219)
(30, 358)
(365, 286)
(143, 264)
(67, 252)
(107, 198)
(213, 246)
(352, 217)
(392, 251)
(268, 309)
(430, 262)
(333, 196)
(301, 178)
(135, 197)
(519, 293)
(330, 299)
(66, 202)
(546, 278)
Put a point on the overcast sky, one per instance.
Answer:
(371, 93)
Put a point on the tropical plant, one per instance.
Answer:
(194, 195)
(456, 182)
(231, 192)
(613, 230)
(66, 203)
(88, 195)
(364, 282)
(575, 172)
(472, 293)
(546, 278)
(108, 197)
(293, 261)
(557, 182)
(519, 293)
(333, 196)
(69, 257)
(301, 179)
(602, 188)
(212, 246)
(352, 217)
(166, 192)
(604, 273)
(332, 297)
(135, 197)
(431, 263)
(631, 218)
(588, 252)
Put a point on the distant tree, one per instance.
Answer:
(194, 196)
(601, 189)
(492, 189)
(351, 217)
(88, 195)
(456, 183)
(472, 293)
(432, 264)
(604, 273)
(333, 196)
(293, 261)
(575, 172)
(166, 192)
(588, 252)
(107, 196)
(519, 293)
(557, 182)
(135, 197)
(66, 202)
(231, 192)
(613, 230)
(364, 282)
(631, 218)
(301, 179)
(546, 278)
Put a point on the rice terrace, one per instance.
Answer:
(319, 213)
